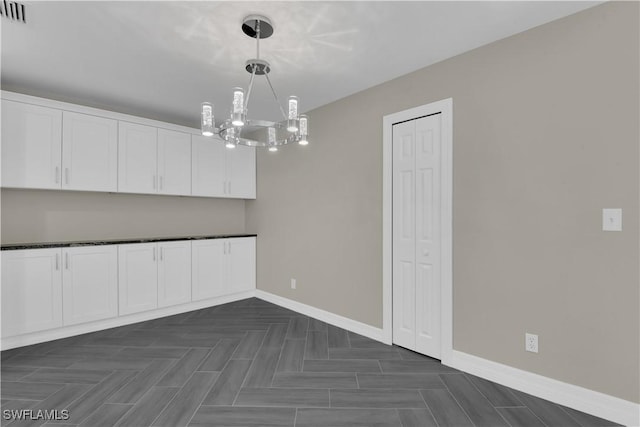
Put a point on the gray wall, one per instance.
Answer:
(545, 136)
(50, 216)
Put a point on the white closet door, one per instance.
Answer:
(404, 235)
(416, 235)
(428, 205)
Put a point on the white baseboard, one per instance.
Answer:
(579, 398)
(326, 316)
(70, 331)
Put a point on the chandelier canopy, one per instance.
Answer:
(239, 129)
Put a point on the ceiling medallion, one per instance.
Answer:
(238, 129)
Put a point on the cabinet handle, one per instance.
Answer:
(161, 254)
(57, 177)
(161, 182)
(57, 262)
(229, 248)
(66, 260)
(66, 175)
(224, 248)
(154, 254)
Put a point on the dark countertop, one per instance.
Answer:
(44, 245)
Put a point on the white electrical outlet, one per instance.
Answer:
(531, 342)
(293, 284)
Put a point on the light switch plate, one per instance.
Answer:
(612, 219)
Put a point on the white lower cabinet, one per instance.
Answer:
(137, 277)
(89, 284)
(153, 275)
(174, 273)
(223, 266)
(45, 289)
(207, 260)
(31, 291)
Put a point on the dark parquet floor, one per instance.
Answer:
(252, 363)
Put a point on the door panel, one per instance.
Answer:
(89, 153)
(241, 256)
(208, 167)
(416, 235)
(174, 162)
(208, 274)
(137, 277)
(174, 273)
(90, 283)
(31, 146)
(241, 172)
(137, 158)
(31, 291)
(404, 235)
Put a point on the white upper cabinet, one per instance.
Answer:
(31, 144)
(137, 158)
(218, 171)
(208, 167)
(174, 162)
(89, 153)
(154, 161)
(89, 283)
(53, 145)
(241, 172)
(31, 291)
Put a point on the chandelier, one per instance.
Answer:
(239, 129)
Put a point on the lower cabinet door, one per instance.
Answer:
(208, 268)
(137, 277)
(90, 283)
(31, 291)
(174, 273)
(241, 258)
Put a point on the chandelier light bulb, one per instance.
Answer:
(237, 115)
(304, 130)
(273, 149)
(292, 122)
(230, 137)
(206, 125)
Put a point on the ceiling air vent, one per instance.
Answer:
(13, 10)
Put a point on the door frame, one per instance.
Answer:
(444, 107)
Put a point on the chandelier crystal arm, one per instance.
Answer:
(276, 97)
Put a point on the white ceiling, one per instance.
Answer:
(162, 59)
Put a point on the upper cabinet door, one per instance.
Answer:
(208, 167)
(241, 172)
(174, 162)
(89, 153)
(137, 158)
(31, 144)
